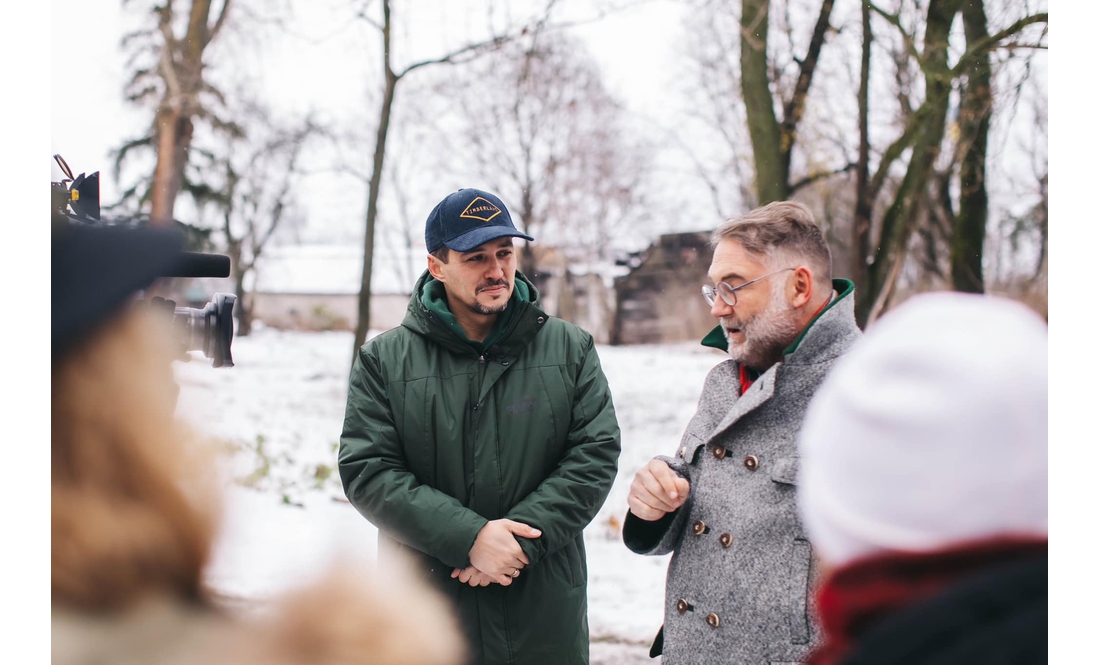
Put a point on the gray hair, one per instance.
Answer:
(782, 232)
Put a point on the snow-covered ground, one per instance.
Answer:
(277, 417)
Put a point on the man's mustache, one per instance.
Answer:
(492, 283)
(730, 323)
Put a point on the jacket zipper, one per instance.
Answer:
(475, 423)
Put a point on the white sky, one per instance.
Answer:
(327, 62)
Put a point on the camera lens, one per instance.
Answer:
(209, 329)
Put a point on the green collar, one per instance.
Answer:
(716, 338)
(434, 298)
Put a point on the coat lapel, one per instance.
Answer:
(761, 391)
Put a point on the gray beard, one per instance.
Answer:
(766, 335)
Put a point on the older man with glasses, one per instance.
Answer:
(741, 574)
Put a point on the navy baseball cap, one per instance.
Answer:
(467, 219)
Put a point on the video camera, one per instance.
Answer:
(75, 201)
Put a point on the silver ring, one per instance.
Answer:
(515, 572)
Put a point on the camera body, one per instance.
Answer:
(75, 206)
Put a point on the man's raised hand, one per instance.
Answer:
(656, 491)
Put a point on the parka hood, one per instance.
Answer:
(429, 315)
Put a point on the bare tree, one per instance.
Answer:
(754, 90)
(537, 126)
(773, 138)
(861, 223)
(1027, 231)
(923, 135)
(250, 186)
(920, 195)
(167, 59)
(925, 138)
(975, 112)
(390, 78)
(541, 129)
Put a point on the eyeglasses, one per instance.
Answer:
(729, 293)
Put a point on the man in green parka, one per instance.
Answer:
(480, 438)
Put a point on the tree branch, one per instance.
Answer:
(894, 151)
(895, 20)
(990, 43)
(821, 175)
(452, 57)
(362, 14)
(488, 45)
(219, 22)
(792, 113)
(167, 61)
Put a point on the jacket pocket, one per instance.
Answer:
(798, 618)
(551, 416)
(574, 554)
(785, 471)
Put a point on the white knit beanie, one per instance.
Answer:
(930, 432)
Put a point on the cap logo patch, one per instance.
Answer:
(481, 210)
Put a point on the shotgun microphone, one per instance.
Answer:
(197, 264)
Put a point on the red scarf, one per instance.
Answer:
(857, 596)
(746, 376)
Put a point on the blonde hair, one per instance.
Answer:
(782, 232)
(133, 519)
(133, 503)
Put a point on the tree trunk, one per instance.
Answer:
(976, 107)
(363, 324)
(528, 262)
(181, 68)
(173, 141)
(796, 105)
(764, 130)
(1041, 264)
(244, 305)
(772, 141)
(897, 225)
(861, 242)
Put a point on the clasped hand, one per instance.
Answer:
(496, 555)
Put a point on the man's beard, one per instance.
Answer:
(766, 335)
(478, 308)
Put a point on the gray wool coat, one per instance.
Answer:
(740, 581)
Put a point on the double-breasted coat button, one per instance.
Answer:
(542, 320)
(751, 463)
(682, 606)
(699, 527)
(725, 540)
(719, 452)
(713, 620)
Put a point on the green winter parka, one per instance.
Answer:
(440, 437)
